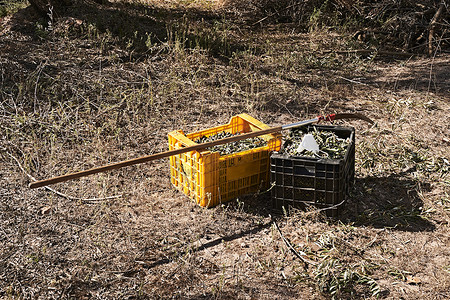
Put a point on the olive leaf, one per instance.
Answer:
(330, 145)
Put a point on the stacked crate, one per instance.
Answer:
(210, 178)
(307, 181)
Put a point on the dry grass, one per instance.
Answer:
(109, 82)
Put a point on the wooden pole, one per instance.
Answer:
(147, 158)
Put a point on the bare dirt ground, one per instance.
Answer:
(109, 82)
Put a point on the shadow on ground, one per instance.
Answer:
(162, 261)
(424, 75)
(381, 202)
(391, 201)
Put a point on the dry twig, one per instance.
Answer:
(62, 194)
(368, 51)
(295, 252)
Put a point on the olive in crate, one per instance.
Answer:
(316, 179)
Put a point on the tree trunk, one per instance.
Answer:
(433, 27)
(45, 7)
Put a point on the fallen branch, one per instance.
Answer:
(59, 193)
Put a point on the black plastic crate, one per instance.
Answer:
(302, 181)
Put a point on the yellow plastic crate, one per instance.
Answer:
(210, 178)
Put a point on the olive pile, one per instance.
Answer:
(330, 145)
(232, 147)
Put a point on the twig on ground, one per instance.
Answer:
(368, 51)
(295, 252)
(432, 64)
(331, 207)
(352, 81)
(61, 194)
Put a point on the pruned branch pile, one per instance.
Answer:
(406, 25)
